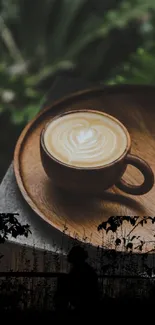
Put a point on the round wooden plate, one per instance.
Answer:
(134, 106)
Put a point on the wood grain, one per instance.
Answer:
(134, 106)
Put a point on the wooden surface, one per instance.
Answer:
(134, 107)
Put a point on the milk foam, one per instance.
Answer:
(85, 139)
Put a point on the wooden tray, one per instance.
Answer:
(134, 106)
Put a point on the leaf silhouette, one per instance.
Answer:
(132, 238)
(108, 229)
(129, 246)
(10, 225)
(133, 221)
(103, 225)
(126, 218)
(118, 241)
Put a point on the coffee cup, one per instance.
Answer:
(88, 151)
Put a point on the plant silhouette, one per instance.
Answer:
(115, 222)
(9, 225)
(78, 290)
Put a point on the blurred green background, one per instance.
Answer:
(112, 41)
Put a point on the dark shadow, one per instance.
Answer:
(109, 195)
(78, 291)
(67, 202)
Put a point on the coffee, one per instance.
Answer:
(85, 139)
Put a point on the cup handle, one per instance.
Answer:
(145, 170)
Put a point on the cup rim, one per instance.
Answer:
(126, 151)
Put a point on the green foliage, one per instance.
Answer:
(17, 96)
(93, 39)
(138, 70)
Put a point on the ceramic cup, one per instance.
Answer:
(88, 151)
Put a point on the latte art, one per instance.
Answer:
(85, 139)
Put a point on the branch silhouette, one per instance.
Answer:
(115, 222)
